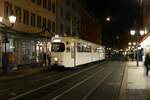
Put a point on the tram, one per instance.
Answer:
(70, 52)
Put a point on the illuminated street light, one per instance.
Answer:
(108, 19)
(142, 32)
(134, 43)
(1, 19)
(129, 47)
(132, 47)
(129, 43)
(12, 20)
(132, 32)
(137, 34)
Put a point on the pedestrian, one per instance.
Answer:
(49, 59)
(132, 56)
(44, 59)
(147, 62)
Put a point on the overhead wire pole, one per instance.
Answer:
(137, 53)
(140, 26)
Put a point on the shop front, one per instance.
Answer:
(22, 49)
(145, 45)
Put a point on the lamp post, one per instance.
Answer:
(12, 20)
(47, 57)
(137, 34)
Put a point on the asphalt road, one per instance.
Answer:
(93, 82)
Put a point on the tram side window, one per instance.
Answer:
(89, 49)
(83, 48)
(58, 47)
(79, 47)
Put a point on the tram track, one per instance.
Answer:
(45, 77)
(55, 82)
(85, 87)
(80, 83)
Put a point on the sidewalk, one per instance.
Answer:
(136, 85)
(21, 72)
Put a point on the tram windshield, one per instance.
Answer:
(58, 47)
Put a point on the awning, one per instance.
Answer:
(20, 34)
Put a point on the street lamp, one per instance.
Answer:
(108, 19)
(129, 43)
(12, 20)
(137, 34)
(134, 43)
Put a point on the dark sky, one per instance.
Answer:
(122, 13)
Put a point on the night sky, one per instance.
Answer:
(115, 33)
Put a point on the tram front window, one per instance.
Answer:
(58, 47)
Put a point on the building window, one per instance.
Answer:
(32, 19)
(49, 25)
(53, 27)
(33, 1)
(61, 12)
(68, 2)
(26, 17)
(7, 9)
(44, 22)
(38, 21)
(68, 16)
(68, 31)
(49, 5)
(44, 3)
(53, 7)
(61, 28)
(18, 13)
(74, 6)
(39, 2)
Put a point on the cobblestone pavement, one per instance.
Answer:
(136, 85)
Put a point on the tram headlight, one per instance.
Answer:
(55, 59)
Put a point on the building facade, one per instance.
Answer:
(146, 15)
(73, 19)
(89, 27)
(145, 40)
(68, 17)
(26, 40)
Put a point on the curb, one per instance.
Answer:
(123, 94)
(8, 78)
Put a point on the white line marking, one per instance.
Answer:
(93, 89)
(58, 96)
(46, 85)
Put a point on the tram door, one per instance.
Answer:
(73, 53)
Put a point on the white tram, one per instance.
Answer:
(72, 52)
